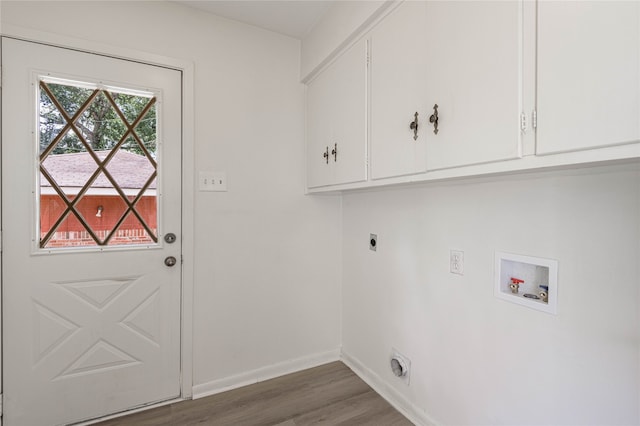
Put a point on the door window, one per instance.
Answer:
(97, 165)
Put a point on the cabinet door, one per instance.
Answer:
(337, 120)
(588, 92)
(398, 83)
(474, 76)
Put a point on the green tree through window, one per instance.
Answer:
(100, 124)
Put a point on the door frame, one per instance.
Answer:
(186, 67)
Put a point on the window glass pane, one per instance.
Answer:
(122, 164)
(69, 233)
(69, 171)
(101, 126)
(51, 208)
(102, 211)
(51, 119)
(97, 140)
(146, 129)
(131, 232)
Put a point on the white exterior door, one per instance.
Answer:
(91, 166)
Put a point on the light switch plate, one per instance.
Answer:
(212, 181)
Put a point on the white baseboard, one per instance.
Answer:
(415, 414)
(264, 373)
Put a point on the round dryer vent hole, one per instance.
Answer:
(400, 366)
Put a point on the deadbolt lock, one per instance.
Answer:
(170, 238)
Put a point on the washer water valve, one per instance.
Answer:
(544, 293)
(515, 285)
(527, 281)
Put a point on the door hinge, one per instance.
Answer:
(523, 122)
(534, 119)
(1, 400)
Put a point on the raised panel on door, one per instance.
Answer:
(473, 76)
(398, 90)
(318, 131)
(337, 121)
(588, 74)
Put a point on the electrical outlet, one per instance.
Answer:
(373, 242)
(212, 181)
(456, 262)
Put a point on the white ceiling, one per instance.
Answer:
(294, 18)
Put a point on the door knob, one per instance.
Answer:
(170, 261)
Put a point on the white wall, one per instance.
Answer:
(267, 257)
(477, 359)
(341, 20)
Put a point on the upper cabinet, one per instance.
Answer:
(337, 121)
(588, 92)
(473, 75)
(465, 88)
(398, 73)
(445, 86)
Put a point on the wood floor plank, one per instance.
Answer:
(153, 417)
(287, 423)
(367, 408)
(330, 394)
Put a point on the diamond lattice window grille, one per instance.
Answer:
(108, 141)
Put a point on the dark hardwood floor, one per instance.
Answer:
(327, 395)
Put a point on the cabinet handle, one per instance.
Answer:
(414, 126)
(434, 119)
(325, 155)
(334, 152)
